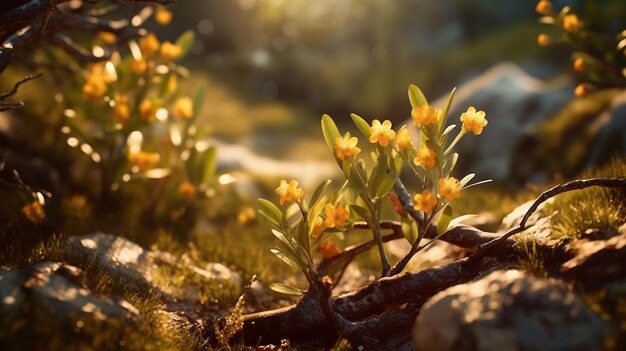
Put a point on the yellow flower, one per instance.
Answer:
(571, 23)
(107, 37)
(543, 40)
(34, 212)
(139, 66)
(149, 45)
(147, 110)
(473, 120)
(328, 249)
(425, 202)
(162, 15)
(187, 191)
(424, 115)
(183, 108)
(95, 87)
(289, 191)
(579, 64)
(336, 216)
(170, 51)
(345, 146)
(426, 157)
(582, 89)
(246, 215)
(121, 111)
(381, 133)
(318, 228)
(403, 139)
(449, 188)
(143, 160)
(544, 7)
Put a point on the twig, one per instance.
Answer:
(559, 189)
(16, 86)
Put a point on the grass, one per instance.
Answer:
(592, 208)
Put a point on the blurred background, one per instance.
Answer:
(273, 67)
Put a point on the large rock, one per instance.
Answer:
(508, 310)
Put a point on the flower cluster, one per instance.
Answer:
(598, 65)
(34, 212)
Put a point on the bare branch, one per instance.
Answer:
(16, 86)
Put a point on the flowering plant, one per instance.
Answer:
(137, 126)
(314, 226)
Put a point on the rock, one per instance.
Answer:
(508, 310)
(539, 221)
(56, 292)
(596, 260)
(515, 103)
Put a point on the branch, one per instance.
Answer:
(559, 189)
(15, 105)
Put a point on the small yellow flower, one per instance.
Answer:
(381, 133)
(143, 160)
(107, 37)
(571, 23)
(318, 228)
(328, 249)
(34, 212)
(149, 45)
(426, 157)
(403, 139)
(147, 110)
(425, 202)
(95, 87)
(162, 16)
(579, 65)
(473, 120)
(170, 51)
(246, 215)
(187, 191)
(121, 111)
(336, 216)
(139, 66)
(582, 89)
(183, 108)
(289, 191)
(544, 7)
(449, 188)
(543, 40)
(424, 115)
(345, 147)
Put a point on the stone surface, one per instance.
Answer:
(596, 260)
(56, 291)
(508, 310)
(539, 221)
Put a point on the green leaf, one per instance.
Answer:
(185, 41)
(319, 191)
(446, 110)
(198, 100)
(315, 212)
(285, 289)
(444, 219)
(361, 124)
(209, 163)
(285, 257)
(416, 97)
(450, 163)
(409, 229)
(386, 184)
(362, 212)
(270, 211)
(283, 238)
(331, 133)
(467, 179)
(373, 184)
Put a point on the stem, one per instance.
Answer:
(415, 248)
(378, 238)
(454, 142)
